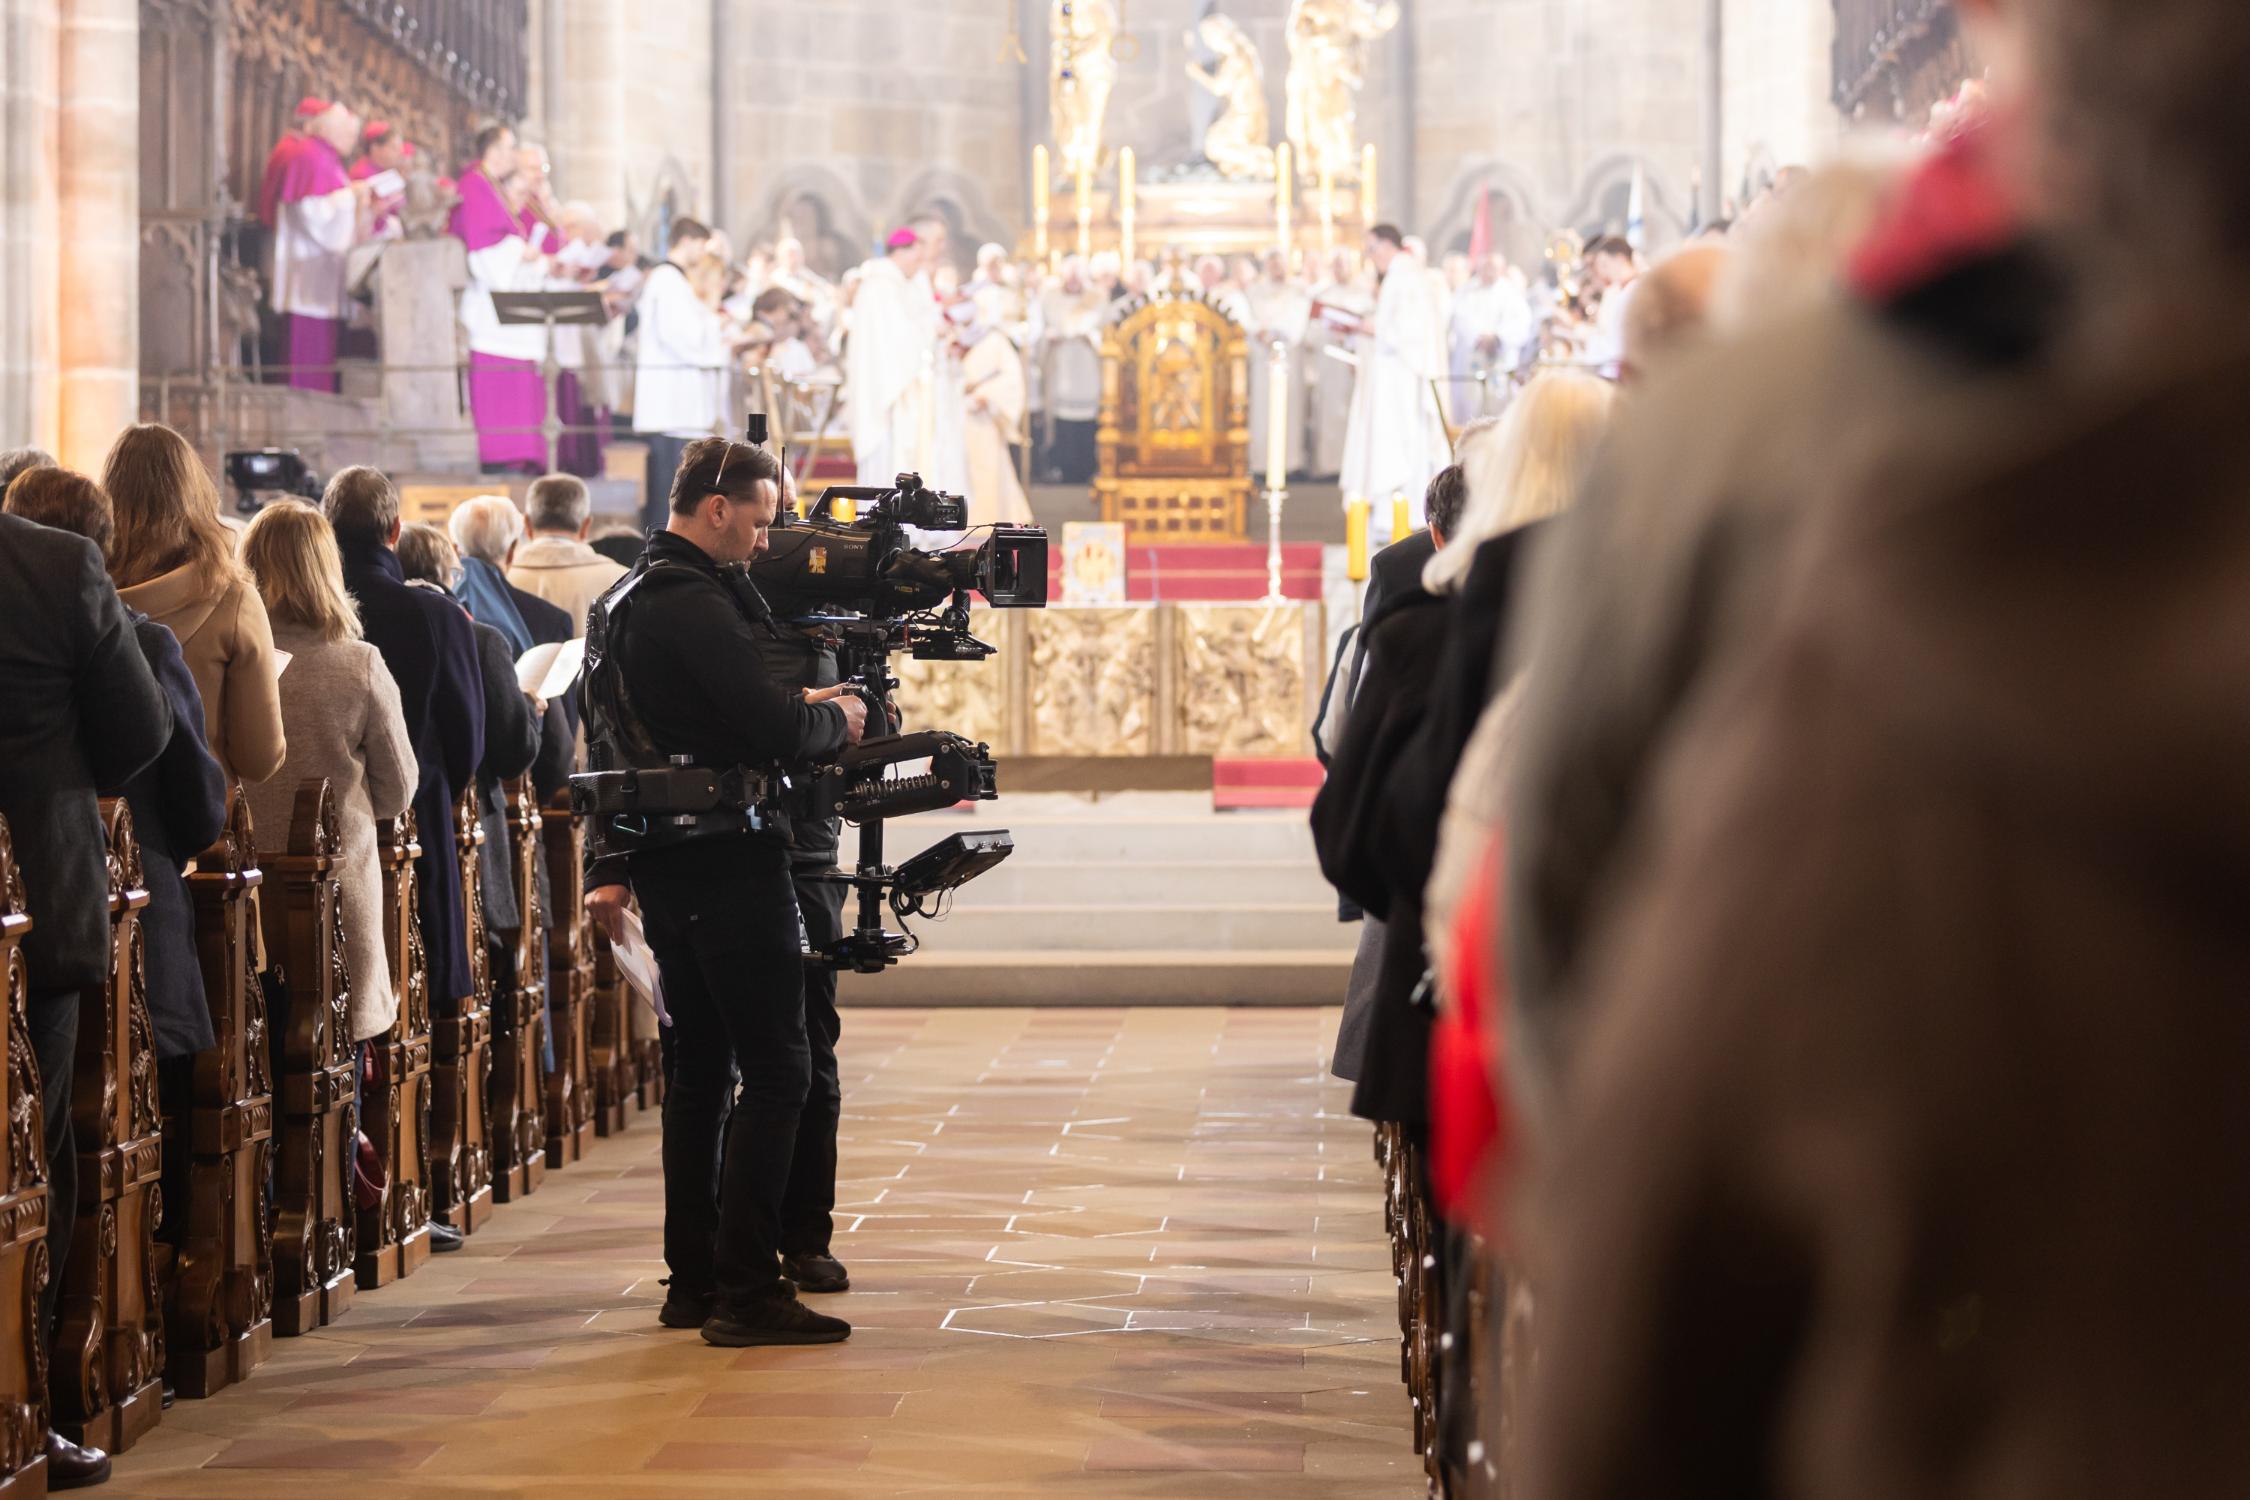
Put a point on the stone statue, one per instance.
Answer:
(1238, 141)
(1085, 67)
(429, 205)
(1327, 64)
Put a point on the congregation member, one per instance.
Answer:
(679, 363)
(173, 559)
(346, 724)
(555, 561)
(485, 532)
(993, 378)
(81, 714)
(430, 647)
(890, 364)
(317, 213)
(1395, 437)
(507, 394)
(19, 460)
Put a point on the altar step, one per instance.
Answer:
(1138, 899)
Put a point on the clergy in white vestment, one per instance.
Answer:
(1280, 309)
(993, 376)
(793, 276)
(888, 364)
(945, 466)
(316, 218)
(1491, 325)
(1395, 441)
(1340, 302)
(1071, 314)
(680, 364)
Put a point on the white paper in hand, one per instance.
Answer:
(636, 965)
(549, 671)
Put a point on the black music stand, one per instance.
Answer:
(555, 310)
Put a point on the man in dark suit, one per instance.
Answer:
(80, 713)
(431, 649)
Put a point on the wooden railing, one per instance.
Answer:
(107, 1366)
(461, 1056)
(316, 1225)
(218, 1313)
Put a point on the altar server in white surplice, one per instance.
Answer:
(1491, 325)
(1395, 442)
(993, 374)
(1339, 301)
(887, 365)
(1280, 310)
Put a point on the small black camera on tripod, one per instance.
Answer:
(868, 587)
(269, 471)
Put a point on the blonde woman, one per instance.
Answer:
(345, 722)
(174, 560)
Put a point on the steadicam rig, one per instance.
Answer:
(874, 593)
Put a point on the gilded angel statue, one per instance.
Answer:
(1327, 64)
(1238, 141)
(1085, 68)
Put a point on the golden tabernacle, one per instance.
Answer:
(1175, 421)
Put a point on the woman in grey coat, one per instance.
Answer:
(340, 709)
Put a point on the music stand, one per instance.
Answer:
(566, 309)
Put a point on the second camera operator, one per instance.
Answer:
(678, 678)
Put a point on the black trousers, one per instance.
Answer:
(808, 1209)
(53, 1019)
(721, 916)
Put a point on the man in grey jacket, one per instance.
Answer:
(80, 713)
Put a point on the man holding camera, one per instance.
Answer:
(678, 679)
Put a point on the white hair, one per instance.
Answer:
(485, 527)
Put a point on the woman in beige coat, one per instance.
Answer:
(345, 723)
(173, 560)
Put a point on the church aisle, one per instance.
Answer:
(1096, 1253)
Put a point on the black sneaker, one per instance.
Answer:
(772, 1320)
(444, 1238)
(683, 1307)
(817, 1272)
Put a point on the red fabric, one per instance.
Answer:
(1470, 1139)
(1480, 231)
(1955, 207)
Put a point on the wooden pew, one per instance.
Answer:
(218, 1314)
(106, 1375)
(570, 988)
(519, 1001)
(460, 1173)
(609, 1040)
(23, 1207)
(315, 1221)
(394, 1237)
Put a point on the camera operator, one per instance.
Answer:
(678, 676)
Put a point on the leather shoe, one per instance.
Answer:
(70, 1467)
(771, 1320)
(684, 1307)
(817, 1272)
(444, 1237)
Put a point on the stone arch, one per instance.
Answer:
(1607, 187)
(816, 207)
(961, 202)
(1519, 228)
(671, 194)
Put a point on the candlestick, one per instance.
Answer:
(1368, 216)
(1277, 417)
(1125, 193)
(1355, 539)
(1085, 190)
(1327, 209)
(1284, 187)
(1039, 204)
(1275, 496)
(1402, 517)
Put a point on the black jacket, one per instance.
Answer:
(511, 744)
(1360, 853)
(688, 643)
(431, 648)
(179, 807)
(80, 714)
